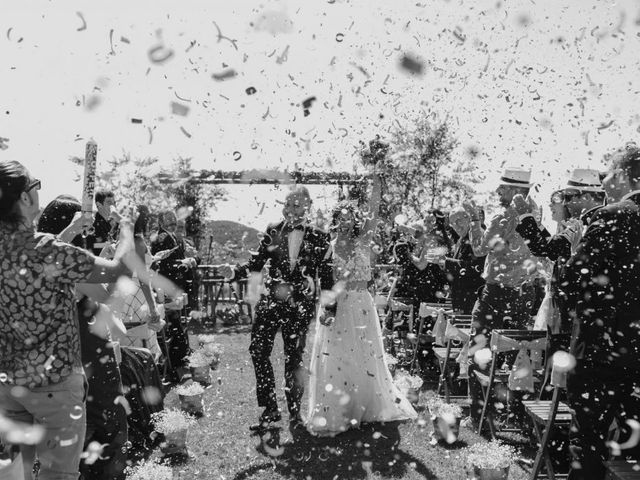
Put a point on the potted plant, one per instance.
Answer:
(174, 425)
(214, 351)
(491, 460)
(190, 396)
(446, 419)
(391, 362)
(149, 471)
(199, 363)
(409, 385)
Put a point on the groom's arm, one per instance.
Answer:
(259, 257)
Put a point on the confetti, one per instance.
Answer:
(250, 91)
(225, 74)
(136, 120)
(84, 23)
(159, 54)
(3, 143)
(237, 155)
(187, 134)
(339, 37)
(412, 65)
(179, 109)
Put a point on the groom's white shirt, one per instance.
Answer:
(295, 241)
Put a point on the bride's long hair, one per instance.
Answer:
(350, 207)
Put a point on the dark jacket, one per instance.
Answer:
(104, 232)
(171, 266)
(464, 271)
(427, 285)
(602, 281)
(311, 263)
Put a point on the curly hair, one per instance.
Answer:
(350, 207)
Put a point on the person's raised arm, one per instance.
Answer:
(373, 207)
(108, 271)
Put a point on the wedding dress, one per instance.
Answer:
(350, 382)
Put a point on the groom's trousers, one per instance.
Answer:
(293, 319)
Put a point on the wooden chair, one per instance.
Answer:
(505, 341)
(447, 355)
(622, 470)
(547, 415)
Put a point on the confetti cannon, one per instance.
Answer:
(88, 187)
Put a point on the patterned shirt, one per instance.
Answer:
(509, 261)
(39, 337)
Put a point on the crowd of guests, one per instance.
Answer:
(84, 355)
(581, 283)
(64, 319)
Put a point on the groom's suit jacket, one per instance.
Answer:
(311, 263)
(603, 279)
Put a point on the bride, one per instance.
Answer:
(350, 383)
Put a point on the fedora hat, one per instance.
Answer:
(585, 180)
(515, 177)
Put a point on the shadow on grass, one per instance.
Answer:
(353, 454)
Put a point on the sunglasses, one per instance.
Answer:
(33, 184)
(568, 196)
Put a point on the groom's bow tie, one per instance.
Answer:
(288, 228)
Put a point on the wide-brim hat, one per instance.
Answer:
(515, 177)
(585, 180)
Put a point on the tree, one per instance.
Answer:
(419, 169)
(136, 181)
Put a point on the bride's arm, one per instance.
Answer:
(373, 207)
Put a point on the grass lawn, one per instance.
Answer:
(223, 447)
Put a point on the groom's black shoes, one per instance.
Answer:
(266, 421)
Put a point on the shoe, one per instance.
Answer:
(266, 421)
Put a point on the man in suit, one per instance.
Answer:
(174, 265)
(296, 253)
(103, 225)
(603, 279)
(582, 196)
(464, 269)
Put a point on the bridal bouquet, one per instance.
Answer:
(149, 471)
(171, 421)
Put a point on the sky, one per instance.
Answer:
(543, 84)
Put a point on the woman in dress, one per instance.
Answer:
(350, 383)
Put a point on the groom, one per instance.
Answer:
(296, 253)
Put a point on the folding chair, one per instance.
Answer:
(522, 341)
(457, 334)
(622, 470)
(547, 415)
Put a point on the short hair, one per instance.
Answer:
(300, 190)
(627, 159)
(14, 178)
(57, 215)
(164, 214)
(102, 194)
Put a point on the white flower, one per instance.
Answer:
(492, 454)
(190, 390)
(149, 471)
(169, 421)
